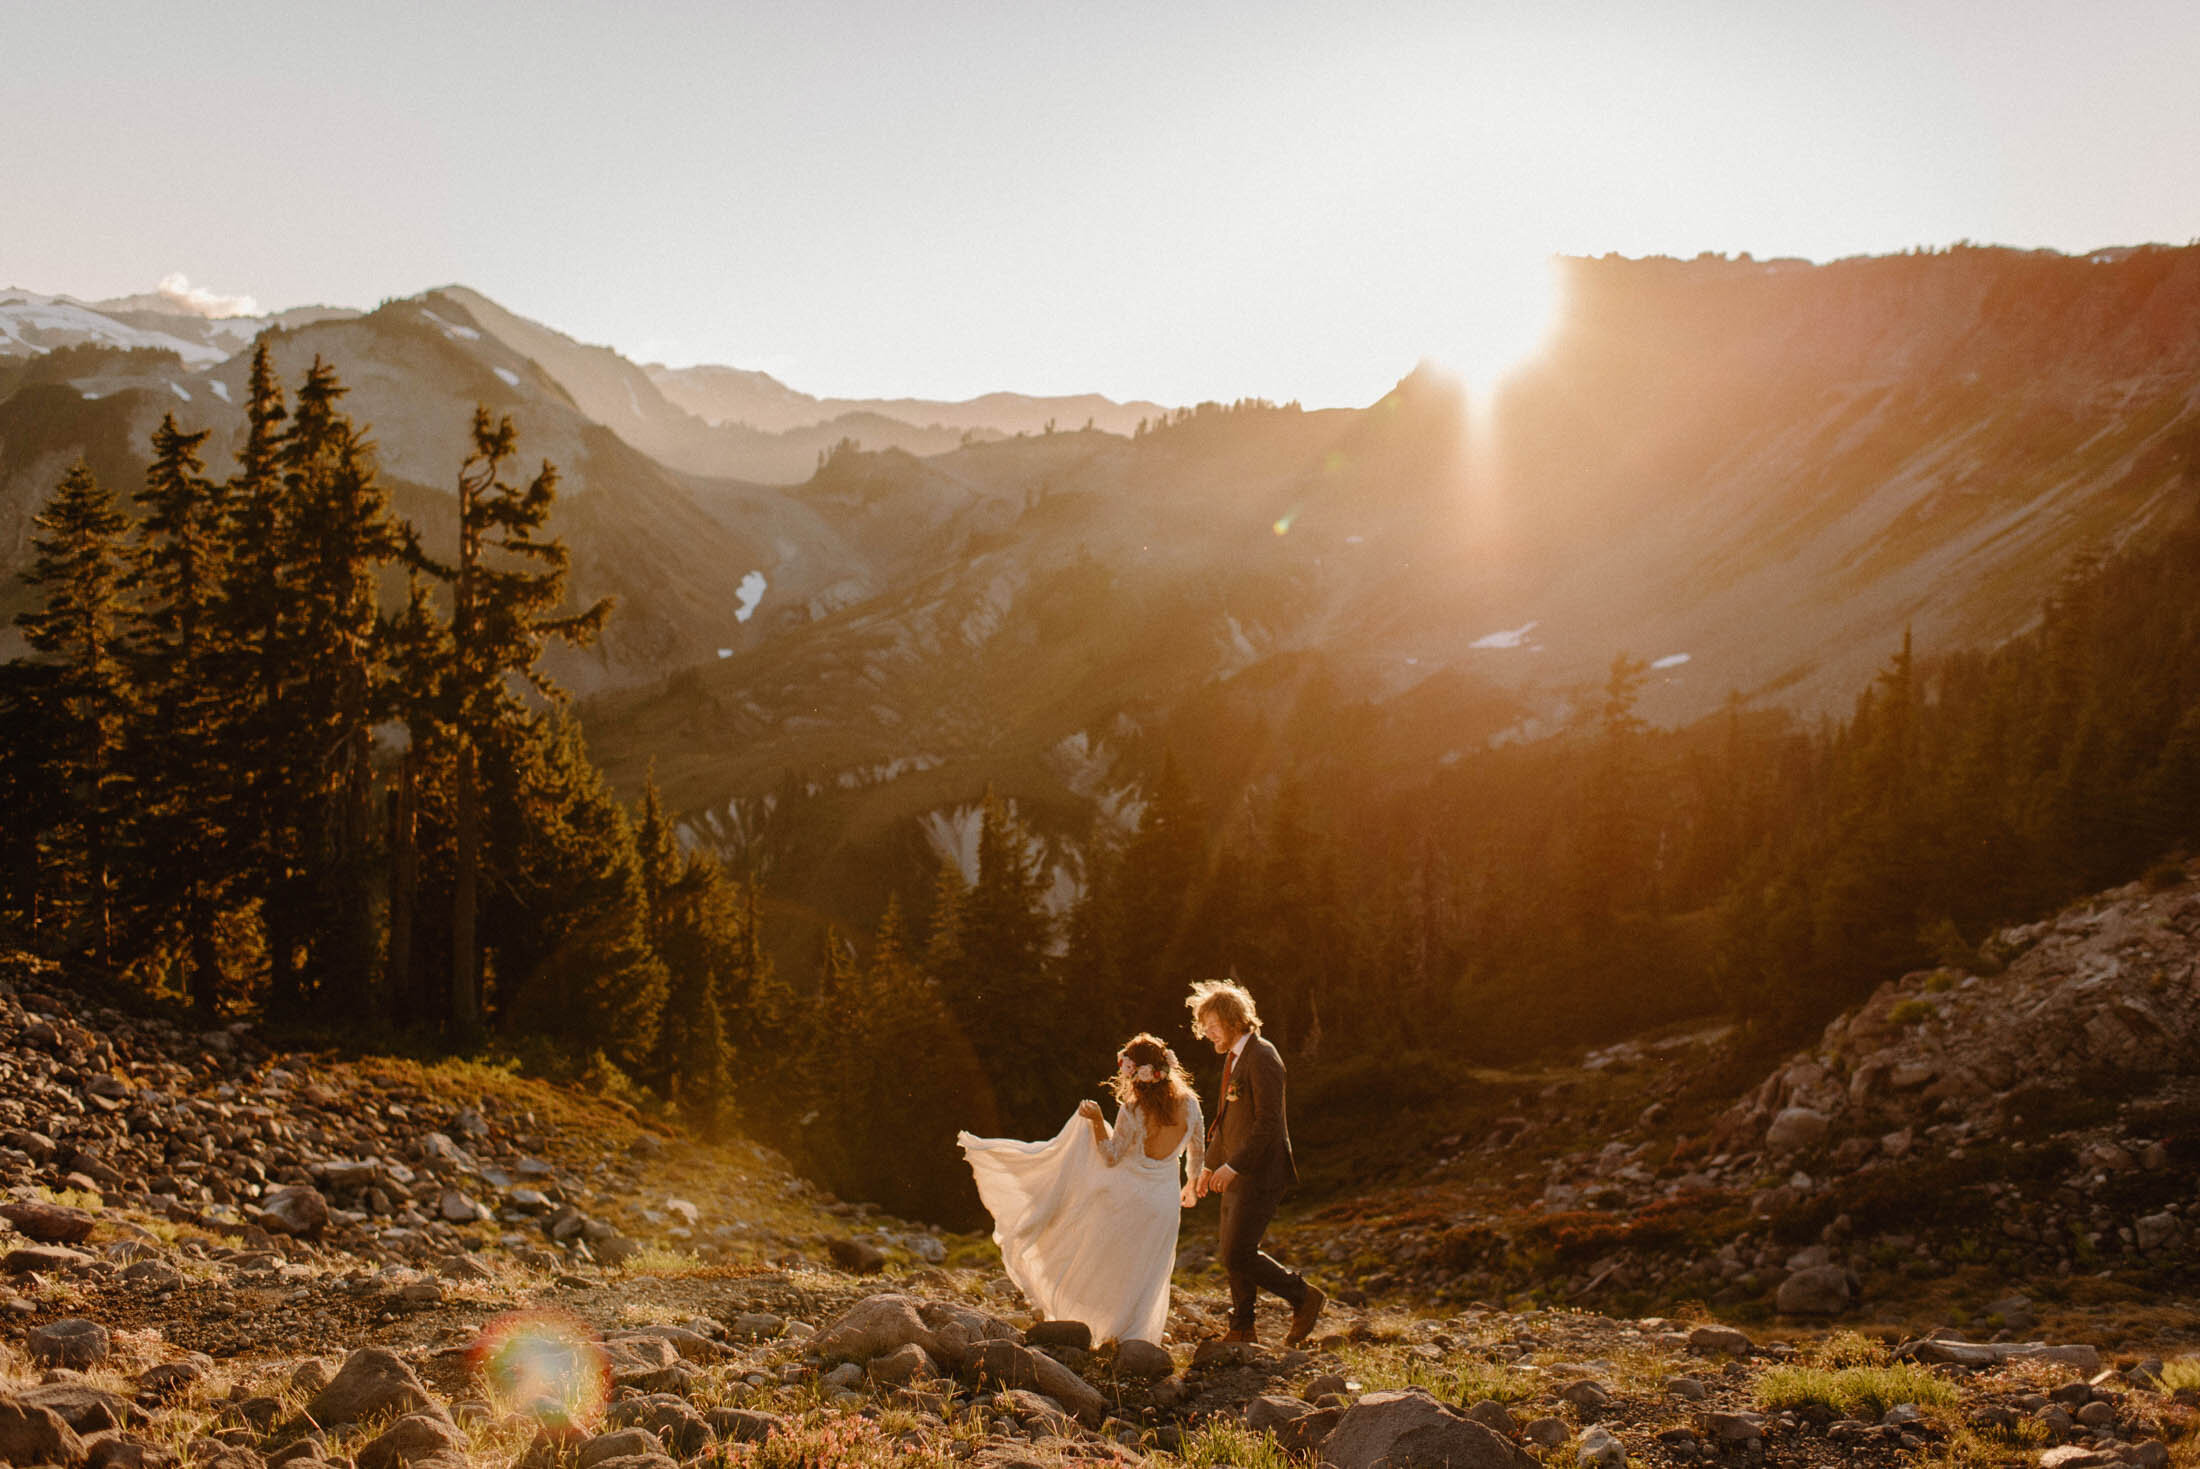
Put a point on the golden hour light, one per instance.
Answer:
(1502, 316)
(1246, 733)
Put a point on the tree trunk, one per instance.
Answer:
(465, 1006)
(206, 962)
(404, 889)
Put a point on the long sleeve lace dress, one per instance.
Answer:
(1087, 1228)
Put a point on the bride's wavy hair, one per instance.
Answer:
(1162, 1100)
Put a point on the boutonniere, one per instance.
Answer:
(1232, 1094)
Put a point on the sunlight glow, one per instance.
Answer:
(1499, 320)
(544, 1364)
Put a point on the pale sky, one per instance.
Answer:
(1176, 200)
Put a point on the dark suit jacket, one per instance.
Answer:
(1250, 1131)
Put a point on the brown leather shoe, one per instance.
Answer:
(1240, 1333)
(1305, 1314)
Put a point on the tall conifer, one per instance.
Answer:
(79, 564)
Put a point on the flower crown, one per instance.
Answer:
(1147, 1071)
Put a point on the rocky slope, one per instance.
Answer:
(223, 1254)
(2008, 1146)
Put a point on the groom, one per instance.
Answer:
(1249, 1158)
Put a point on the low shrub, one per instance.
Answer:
(1855, 1392)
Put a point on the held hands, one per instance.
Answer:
(1213, 1181)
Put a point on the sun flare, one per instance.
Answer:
(1498, 320)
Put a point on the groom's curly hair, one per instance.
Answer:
(1226, 998)
(1162, 1101)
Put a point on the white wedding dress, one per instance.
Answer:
(1087, 1228)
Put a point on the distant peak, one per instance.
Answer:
(176, 296)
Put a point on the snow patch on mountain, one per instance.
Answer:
(1515, 637)
(750, 593)
(31, 325)
(452, 329)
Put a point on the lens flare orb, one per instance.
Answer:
(544, 1364)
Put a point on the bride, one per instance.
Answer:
(1087, 1221)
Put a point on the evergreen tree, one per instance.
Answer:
(79, 564)
(177, 740)
(566, 928)
(506, 583)
(254, 613)
(324, 651)
(34, 798)
(1003, 992)
(1165, 886)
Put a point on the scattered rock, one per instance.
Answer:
(1720, 1339)
(1821, 1290)
(416, 1441)
(52, 1224)
(73, 1343)
(296, 1209)
(1410, 1427)
(33, 1435)
(372, 1383)
(1599, 1449)
(1142, 1361)
(1055, 1335)
(855, 1256)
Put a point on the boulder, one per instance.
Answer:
(959, 1329)
(755, 1326)
(74, 1343)
(646, 1364)
(907, 1363)
(672, 1420)
(85, 1409)
(1726, 1339)
(45, 1260)
(1495, 1416)
(873, 1327)
(33, 1435)
(1734, 1428)
(1599, 1449)
(1142, 1361)
(126, 1451)
(50, 1224)
(741, 1425)
(2079, 1456)
(1273, 1410)
(1051, 1336)
(1010, 1366)
(620, 1443)
(857, 1257)
(294, 1209)
(1797, 1129)
(169, 1380)
(153, 1275)
(692, 1346)
(372, 1383)
(1821, 1290)
(1306, 1433)
(416, 1441)
(1410, 1427)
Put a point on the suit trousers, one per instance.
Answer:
(1245, 1215)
